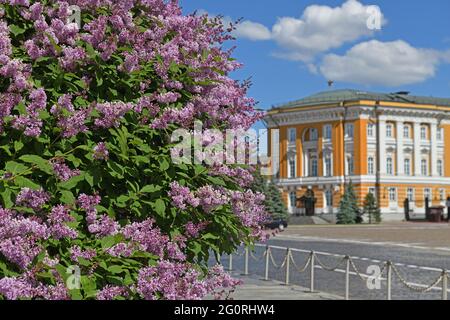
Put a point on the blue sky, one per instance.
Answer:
(290, 48)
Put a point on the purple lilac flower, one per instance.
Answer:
(182, 196)
(101, 152)
(76, 252)
(62, 171)
(33, 199)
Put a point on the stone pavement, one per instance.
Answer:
(255, 288)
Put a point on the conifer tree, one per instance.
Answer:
(371, 209)
(348, 208)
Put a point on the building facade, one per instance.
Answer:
(396, 146)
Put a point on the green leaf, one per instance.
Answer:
(67, 197)
(15, 168)
(68, 185)
(115, 269)
(151, 188)
(39, 162)
(160, 207)
(18, 145)
(26, 183)
(16, 30)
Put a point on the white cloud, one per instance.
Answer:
(373, 62)
(252, 31)
(322, 28)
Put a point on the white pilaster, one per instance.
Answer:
(434, 150)
(417, 142)
(400, 157)
(382, 128)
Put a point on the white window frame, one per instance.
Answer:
(389, 130)
(390, 166)
(407, 131)
(290, 167)
(424, 167)
(371, 165)
(393, 196)
(292, 204)
(314, 167)
(407, 166)
(370, 130)
(423, 133)
(411, 194)
(440, 134)
(440, 167)
(428, 193)
(328, 198)
(442, 194)
(328, 166)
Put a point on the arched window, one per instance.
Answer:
(389, 166)
(371, 166)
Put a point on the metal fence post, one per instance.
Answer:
(246, 262)
(230, 262)
(313, 256)
(389, 280)
(266, 277)
(444, 284)
(288, 258)
(347, 279)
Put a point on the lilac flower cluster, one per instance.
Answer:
(76, 252)
(19, 237)
(62, 171)
(70, 120)
(102, 225)
(111, 113)
(211, 198)
(57, 220)
(111, 292)
(182, 196)
(101, 152)
(34, 199)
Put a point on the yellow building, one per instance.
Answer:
(394, 145)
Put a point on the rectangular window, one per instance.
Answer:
(314, 168)
(392, 194)
(410, 194)
(292, 200)
(406, 132)
(292, 171)
(327, 132)
(292, 135)
(390, 166)
(389, 131)
(424, 167)
(329, 198)
(349, 130)
(371, 166)
(440, 168)
(408, 167)
(427, 194)
(441, 194)
(423, 133)
(350, 166)
(328, 171)
(371, 130)
(440, 134)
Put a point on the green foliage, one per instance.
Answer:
(348, 208)
(274, 201)
(371, 209)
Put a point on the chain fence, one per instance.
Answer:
(388, 270)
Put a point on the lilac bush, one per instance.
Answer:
(86, 174)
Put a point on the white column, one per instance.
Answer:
(434, 151)
(400, 157)
(382, 128)
(275, 151)
(417, 141)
